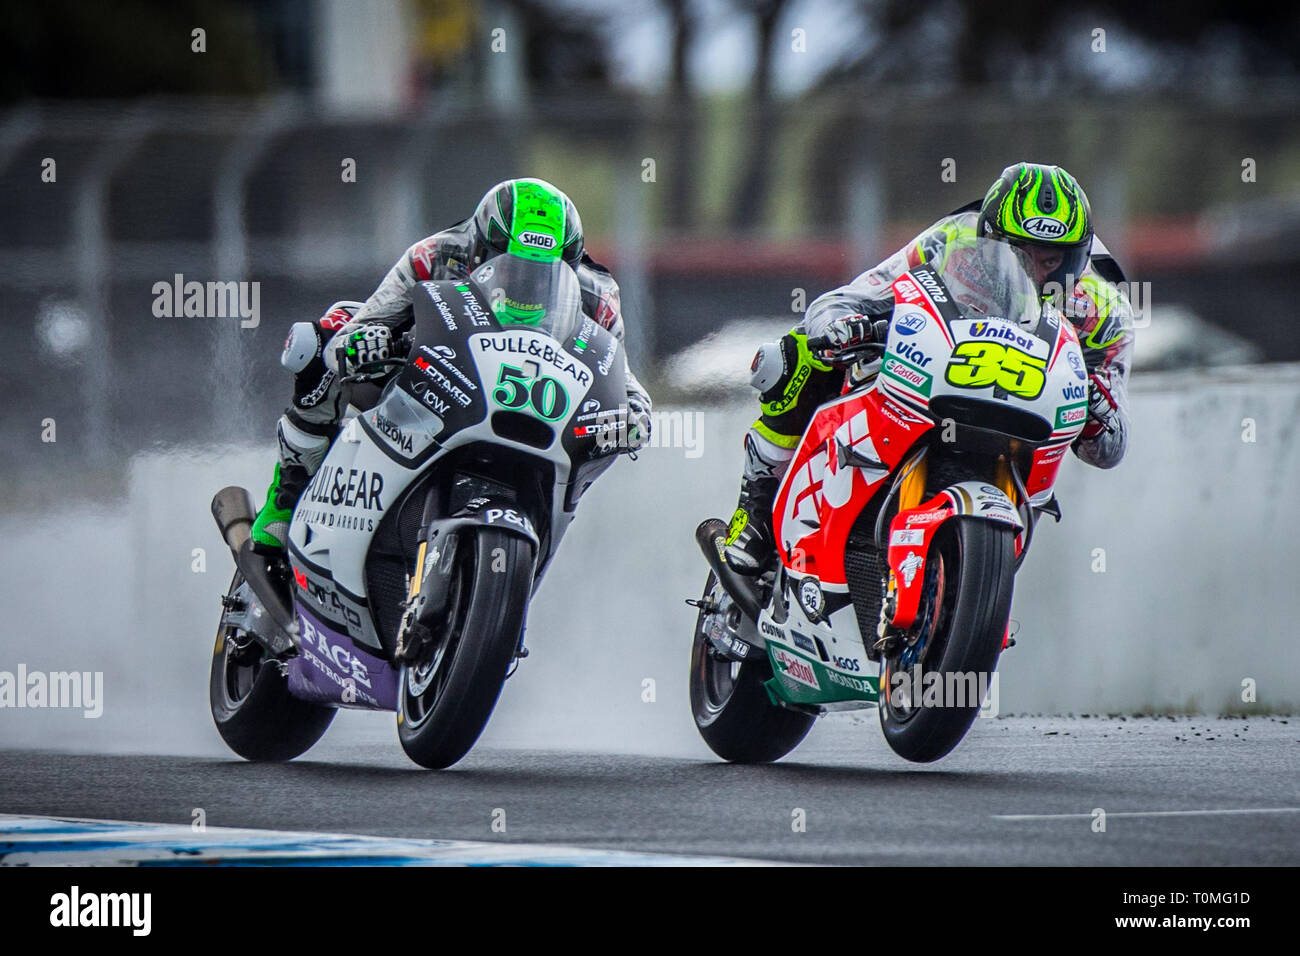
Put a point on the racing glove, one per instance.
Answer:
(638, 423)
(850, 330)
(1101, 406)
(353, 348)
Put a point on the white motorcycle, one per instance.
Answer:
(416, 548)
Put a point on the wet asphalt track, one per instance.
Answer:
(990, 802)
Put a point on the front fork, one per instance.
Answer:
(911, 491)
(429, 586)
(910, 494)
(427, 594)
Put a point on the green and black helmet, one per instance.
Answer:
(531, 219)
(1044, 206)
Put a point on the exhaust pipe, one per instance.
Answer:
(233, 510)
(710, 536)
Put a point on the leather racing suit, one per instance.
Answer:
(311, 422)
(1096, 305)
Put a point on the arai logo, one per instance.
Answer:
(909, 324)
(1045, 228)
(538, 240)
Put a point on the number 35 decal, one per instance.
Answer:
(547, 396)
(981, 364)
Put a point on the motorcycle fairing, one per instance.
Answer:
(331, 669)
(818, 661)
(851, 448)
(912, 530)
(439, 403)
(836, 468)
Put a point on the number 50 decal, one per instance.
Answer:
(981, 364)
(547, 396)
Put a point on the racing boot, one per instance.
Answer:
(301, 454)
(750, 546)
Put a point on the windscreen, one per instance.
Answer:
(541, 295)
(989, 279)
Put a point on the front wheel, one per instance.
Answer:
(445, 698)
(731, 708)
(932, 687)
(251, 705)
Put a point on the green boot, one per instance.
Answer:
(271, 529)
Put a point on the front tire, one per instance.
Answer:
(731, 708)
(444, 701)
(251, 705)
(969, 574)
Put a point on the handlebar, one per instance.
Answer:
(365, 372)
(848, 354)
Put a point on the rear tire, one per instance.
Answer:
(976, 561)
(444, 702)
(731, 707)
(251, 705)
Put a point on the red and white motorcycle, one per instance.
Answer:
(907, 509)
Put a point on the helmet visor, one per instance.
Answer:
(1054, 262)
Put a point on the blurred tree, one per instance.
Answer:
(749, 201)
(445, 36)
(976, 43)
(1266, 34)
(563, 48)
(69, 48)
(683, 115)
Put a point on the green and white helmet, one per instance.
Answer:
(529, 218)
(1040, 205)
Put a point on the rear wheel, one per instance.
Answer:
(731, 707)
(251, 705)
(952, 650)
(444, 700)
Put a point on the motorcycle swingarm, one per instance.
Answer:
(244, 610)
(270, 622)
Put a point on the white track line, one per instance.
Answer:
(1143, 813)
(57, 841)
